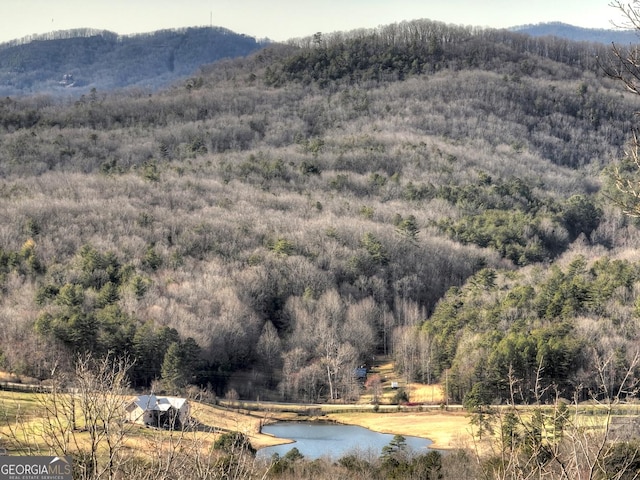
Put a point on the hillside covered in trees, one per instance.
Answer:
(578, 34)
(422, 190)
(72, 62)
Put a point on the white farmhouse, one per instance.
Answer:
(161, 412)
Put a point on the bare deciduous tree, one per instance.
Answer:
(623, 65)
(83, 415)
(563, 442)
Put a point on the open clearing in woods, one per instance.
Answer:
(416, 392)
(445, 429)
(422, 417)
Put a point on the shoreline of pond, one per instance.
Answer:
(445, 430)
(317, 439)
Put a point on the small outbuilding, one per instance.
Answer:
(160, 412)
(360, 373)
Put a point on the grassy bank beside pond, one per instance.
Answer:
(446, 430)
(22, 418)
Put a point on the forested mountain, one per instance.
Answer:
(75, 61)
(579, 34)
(424, 190)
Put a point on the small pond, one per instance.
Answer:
(315, 440)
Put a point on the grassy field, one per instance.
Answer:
(22, 417)
(445, 429)
(24, 410)
(18, 403)
(416, 392)
(423, 417)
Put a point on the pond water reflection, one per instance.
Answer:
(315, 440)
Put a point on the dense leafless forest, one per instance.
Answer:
(425, 191)
(439, 194)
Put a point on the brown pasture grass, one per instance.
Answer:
(417, 392)
(21, 416)
(430, 394)
(444, 429)
(223, 419)
(13, 378)
(13, 404)
(447, 430)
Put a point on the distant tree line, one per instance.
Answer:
(425, 46)
(102, 59)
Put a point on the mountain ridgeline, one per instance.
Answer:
(579, 34)
(75, 61)
(421, 190)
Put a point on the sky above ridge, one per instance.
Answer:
(281, 20)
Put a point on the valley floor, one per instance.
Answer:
(447, 430)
